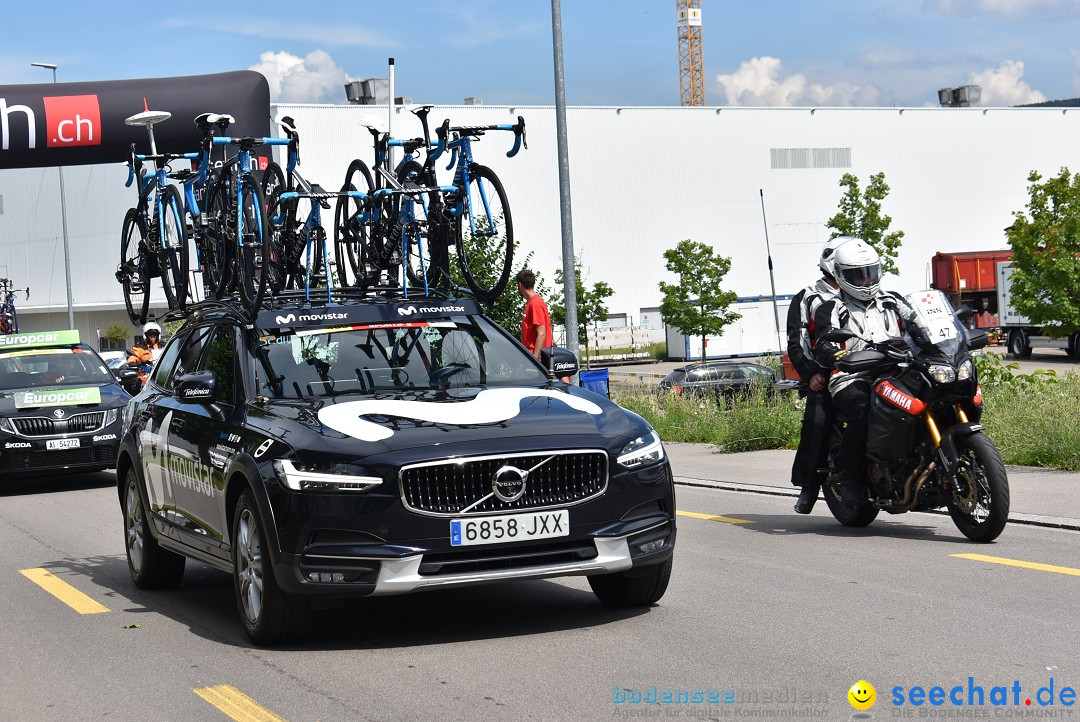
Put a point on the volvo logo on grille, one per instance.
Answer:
(508, 484)
(59, 413)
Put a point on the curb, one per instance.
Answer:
(1043, 520)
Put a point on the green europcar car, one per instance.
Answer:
(60, 406)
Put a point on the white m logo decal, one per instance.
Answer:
(407, 311)
(285, 319)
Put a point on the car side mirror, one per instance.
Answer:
(560, 360)
(125, 374)
(977, 339)
(199, 387)
(964, 312)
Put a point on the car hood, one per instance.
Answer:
(58, 397)
(497, 419)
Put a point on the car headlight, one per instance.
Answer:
(324, 476)
(643, 450)
(942, 374)
(5, 426)
(110, 416)
(965, 371)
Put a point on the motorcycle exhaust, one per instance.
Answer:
(911, 496)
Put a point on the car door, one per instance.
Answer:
(154, 418)
(198, 479)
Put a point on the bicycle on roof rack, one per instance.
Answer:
(394, 235)
(9, 318)
(153, 242)
(237, 211)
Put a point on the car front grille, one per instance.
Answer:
(555, 478)
(44, 426)
(26, 460)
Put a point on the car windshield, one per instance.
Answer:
(28, 368)
(421, 355)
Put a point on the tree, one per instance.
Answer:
(116, 337)
(509, 307)
(697, 305)
(591, 306)
(860, 216)
(1046, 242)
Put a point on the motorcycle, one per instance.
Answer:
(133, 383)
(926, 448)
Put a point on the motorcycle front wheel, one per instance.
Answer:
(978, 498)
(861, 515)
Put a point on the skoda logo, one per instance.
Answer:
(59, 413)
(508, 484)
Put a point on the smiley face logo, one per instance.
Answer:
(862, 695)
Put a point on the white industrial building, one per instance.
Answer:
(642, 180)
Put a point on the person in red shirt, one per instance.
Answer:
(536, 322)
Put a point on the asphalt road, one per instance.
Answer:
(786, 612)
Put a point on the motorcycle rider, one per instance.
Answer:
(143, 351)
(818, 414)
(875, 315)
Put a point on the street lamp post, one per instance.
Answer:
(63, 217)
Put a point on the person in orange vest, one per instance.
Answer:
(143, 351)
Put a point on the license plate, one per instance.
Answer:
(509, 528)
(52, 444)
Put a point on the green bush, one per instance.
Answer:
(751, 422)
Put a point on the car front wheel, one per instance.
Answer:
(633, 588)
(266, 611)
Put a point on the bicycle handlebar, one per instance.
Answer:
(518, 129)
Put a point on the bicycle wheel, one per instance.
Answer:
(133, 273)
(485, 235)
(415, 238)
(350, 235)
(272, 180)
(218, 240)
(253, 251)
(173, 253)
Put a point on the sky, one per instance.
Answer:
(616, 52)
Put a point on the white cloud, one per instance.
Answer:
(1007, 8)
(758, 82)
(315, 78)
(1005, 86)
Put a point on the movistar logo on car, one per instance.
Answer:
(57, 397)
(430, 309)
(39, 338)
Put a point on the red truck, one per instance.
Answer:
(970, 278)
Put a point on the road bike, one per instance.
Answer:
(153, 240)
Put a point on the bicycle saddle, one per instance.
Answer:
(148, 117)
(373, 123)
(418, 109)
(205, 120)
(288, 124)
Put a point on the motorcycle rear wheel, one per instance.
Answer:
(858, 516)
(979, 492)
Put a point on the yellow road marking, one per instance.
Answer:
(1017, 563)
(710, 517)
(236, 705)
(63, 591)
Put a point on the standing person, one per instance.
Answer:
(536, 321)
(818, 414)
(876, 317)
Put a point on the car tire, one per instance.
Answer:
(266, 612)
(634, 588)
(151, 566)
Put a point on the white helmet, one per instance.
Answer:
(827, 260)
(858, 269)
(150, 328)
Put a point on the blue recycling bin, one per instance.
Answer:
(595, 381)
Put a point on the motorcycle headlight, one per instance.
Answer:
(965, 371)
(942, 374)
(641, 451)
(324, 476)
(5, 426)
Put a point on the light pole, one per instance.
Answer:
(63, 216)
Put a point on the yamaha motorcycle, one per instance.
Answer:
(926, 448)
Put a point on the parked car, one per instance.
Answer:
(726, 379)
(380, 446)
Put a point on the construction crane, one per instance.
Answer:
(691, 55)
